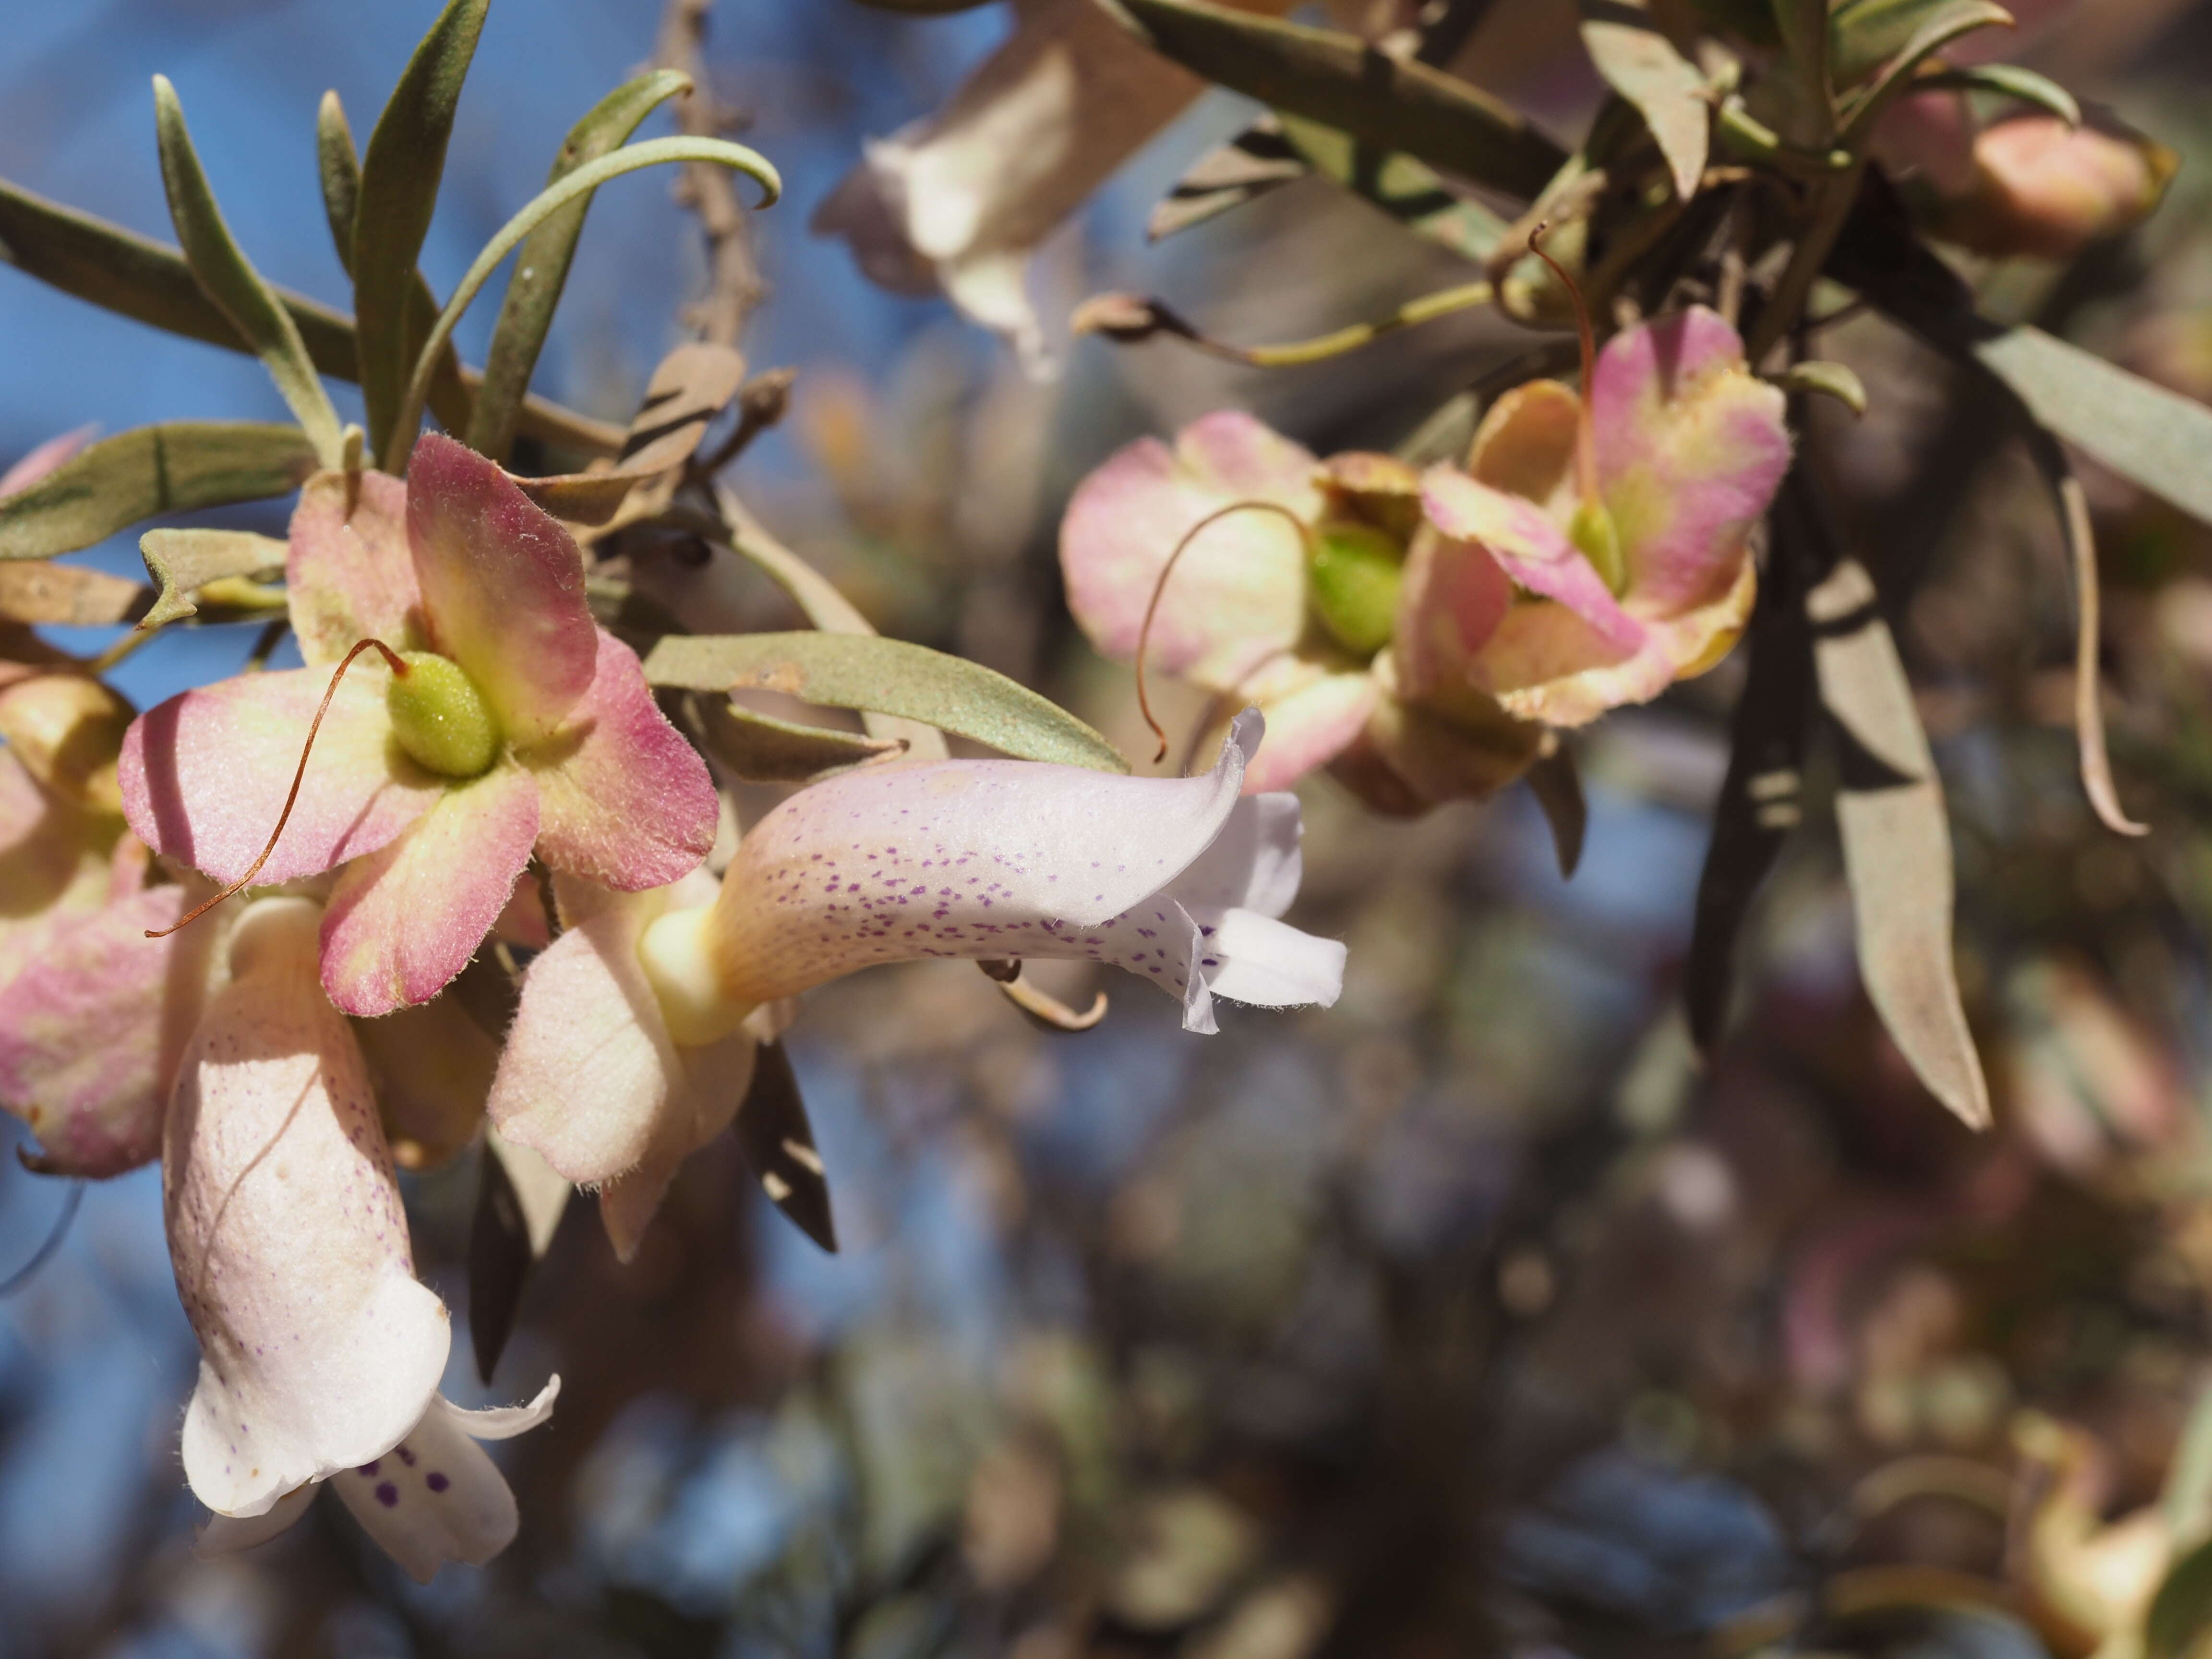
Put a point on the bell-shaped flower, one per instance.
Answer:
(515, 726)
(634, 1042)
(320, 1352)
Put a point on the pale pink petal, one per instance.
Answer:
(1539, 642)
(92, 1030)
(226, 1534)
(1533, 550)
(53, 862)
(1677, 648)
(1526, 446)
(1238, 594)
(1255, 863)
(1312, 714)
(205, 774)
(44, 458)
(317, 1348)
(1691, 448)
(502, 588)
(623, 801)
(406, 919)
(714, 1084)
(1453, 598)
(348, 567)
(1464, 750)
(435, 1497)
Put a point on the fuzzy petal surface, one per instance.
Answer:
(405, 919)
(348, 567)
(702, 1103)
(92, 1030)
(1453, 598)
(1237, 596)
(435, 1497)
(1530, 547)
(318, 1350)
(1675, 648)
(502, 588)
(1691, 448)
(623, 801)
(205, 774)
(1525, 445)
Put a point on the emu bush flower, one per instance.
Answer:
(516, 725)
(320, 1352)
(634, 1038)
(1592, 552)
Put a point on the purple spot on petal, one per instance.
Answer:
(436, 1481)
(388, 1495)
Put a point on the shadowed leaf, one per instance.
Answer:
(2008, 81)
(1557, 784)
(228, 278)
(760, 749)
(183, 561)
(398, 191)
(892, 676)
(519, 1201)
(1897, 843)
(1338, 80)
(66, 596)
(1938, 26)
(2181, 1612)
(692, 385)
(151, 470)
(541, 264)
(1257, 161)
(1638, 61)
(779, 1143)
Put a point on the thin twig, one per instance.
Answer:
(735, 286)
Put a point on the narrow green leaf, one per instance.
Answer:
(849, 670)
(2008, 80)
(760, 749)
(541, 268)
(1338, 80)
(337, 167)
(1940, 26)
(399, 179)
(151, 470)
(1803, 28)
(2180, 1615)
(67, 595)
(550, 201)
(1897, 842)
(182, 561)
(1830, 379)
(1406, 190)
(1636, 60)
(1864, 34)
(779, 1143)
(228, 278)
(692, 385)
(1255, 163)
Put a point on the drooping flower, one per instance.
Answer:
(321, 1353)
(634, 1038)
(1418, 631)
(516, 725)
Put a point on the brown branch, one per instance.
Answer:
(735, 285)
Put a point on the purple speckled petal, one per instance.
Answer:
(317, 1348)
(437, 1498)
(347, 568)
(1237, 596)
(1691, 448)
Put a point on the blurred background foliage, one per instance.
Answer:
(1474, 1316)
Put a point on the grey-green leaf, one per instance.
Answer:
(1255, 163)
(228, 278)
(1406, 190)
(1338, 80)
(182, 561)
(2008, 80)
(136, 474)
(541, 265)
(1897, 842)
(1939, 26)
(1638, 61)
(892, 676)
(399, 179)
(1863, 34)
(760, 749)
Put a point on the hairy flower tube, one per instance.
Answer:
(321, 1353)
(634, 1039)
(514, 725)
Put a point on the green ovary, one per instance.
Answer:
(1355, 571)
(440, 717)
(1593, 531)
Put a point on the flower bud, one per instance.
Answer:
(439, 718)
(2044, 189)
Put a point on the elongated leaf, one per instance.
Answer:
(1406, 188)
(541, 268)
(1557, 784)
(66, 595)
(850, 671)
(779, 1143)
(227, 276)
(151, 470)
(1897, 843)
(1803, 28)
(519, 1201)
(182, 561)
(1638, 61)
(1256, 163)
(399, 179)
(1337, 79)
(1837, 380)
(2008, 80)
(760, 749)
(451, 396)
(2151, 436)
(1938, 27)
(1761, 798)
(134, 276)
(571, 187)
(1864, 34)
(2180, 1615)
